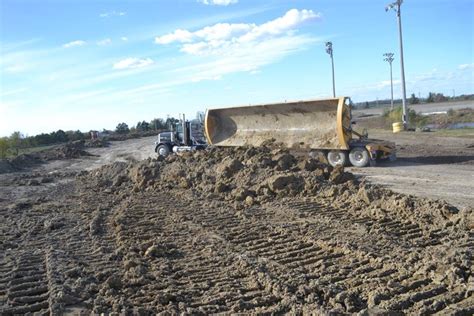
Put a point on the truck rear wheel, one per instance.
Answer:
(163, 150)
(359, 157)
(337, 158)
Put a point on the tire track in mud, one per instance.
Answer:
(152, 252)
(282, 258)
(47, 259)
(403, 288)
(26, 285)
(25, 277)
(203, 269)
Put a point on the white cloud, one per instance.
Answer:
(112, 13)
(177, 36)
(466, 66)
(248, 57)
(104, 42)
(218, 2)
(221, 37)
(225, 48)
(133, 63)
(123, 38)
(289, 21)
(74, 44)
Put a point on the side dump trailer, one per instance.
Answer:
(315, 124)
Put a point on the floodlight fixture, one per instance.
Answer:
(330, 52)
(389, 58)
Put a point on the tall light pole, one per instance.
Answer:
(397, 6)
(329, 51)
(389, 59)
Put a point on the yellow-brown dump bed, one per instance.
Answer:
(316, 124)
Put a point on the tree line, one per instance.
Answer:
(13, 144)
(157, 124)
(432, 97)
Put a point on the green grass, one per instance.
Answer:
(29, 150)
(461, 132)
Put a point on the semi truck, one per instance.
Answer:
(324, 125)
(184, 136)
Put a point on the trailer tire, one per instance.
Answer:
(337, 158)
(359, 157)
(163, 150)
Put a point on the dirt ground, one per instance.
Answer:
(427, 165)
(247, 231)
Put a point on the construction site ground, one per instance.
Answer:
(428, 165)
(239, 236)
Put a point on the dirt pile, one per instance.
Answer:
(254, 176)
(244, 231)
(229, 174)
(96, 143)
(67, 151)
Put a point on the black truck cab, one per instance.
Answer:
(185, 136)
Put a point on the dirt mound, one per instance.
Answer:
(66, 151)
(6, 166)
(229, 174)
(231, 231)
(96, 143)
(249, 176)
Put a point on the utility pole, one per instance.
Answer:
(389, 58)
(397, 6)
(329, 51)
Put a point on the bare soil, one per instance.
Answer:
(225, 231)
(429, 164)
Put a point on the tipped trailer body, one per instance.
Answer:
(323, 125)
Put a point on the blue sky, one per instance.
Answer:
(84, 64)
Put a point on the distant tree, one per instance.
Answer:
(15, 141)
(439, 97)
(43, 139)
(171, 122)
(158, 124)
(430, 98)
(59, 136)
(4, 146)
(366, 106)
(143, 126)
(75, 135)
(414, 99)
(122, 128)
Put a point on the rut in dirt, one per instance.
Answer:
(261, 232)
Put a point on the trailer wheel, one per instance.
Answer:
(359, 157)
(162, 150)
(337, 158)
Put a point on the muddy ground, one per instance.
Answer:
(248, 231)
(427, 165)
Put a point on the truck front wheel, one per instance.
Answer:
(359, 157)
(163, 150)
(337, 158)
